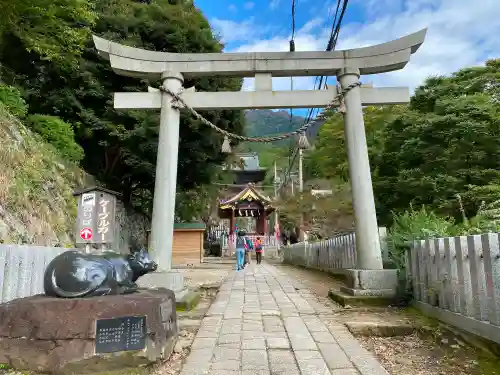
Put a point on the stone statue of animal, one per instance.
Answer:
(73, 274)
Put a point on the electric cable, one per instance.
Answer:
(332, 43)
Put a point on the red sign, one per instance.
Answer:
(86, 234)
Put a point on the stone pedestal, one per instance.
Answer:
(367, 288)
(375, 283)
(173, 280)
(58, 335)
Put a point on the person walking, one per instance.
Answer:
(258, 250)
(241, 243)
(248, 248)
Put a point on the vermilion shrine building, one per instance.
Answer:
(248, 203)
(244, 199)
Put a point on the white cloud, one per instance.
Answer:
(303, 42)
(274, 4)
(231, 31)
(461, 33)
(249, 5)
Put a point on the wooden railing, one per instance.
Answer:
(457, 280)
(334, 255)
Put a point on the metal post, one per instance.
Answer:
(276, 215)
(162, 226)
(301, 178)
(368, 251)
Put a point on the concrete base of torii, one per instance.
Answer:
(367, 287)
(185, 299)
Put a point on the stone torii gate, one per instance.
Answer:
(346, 65)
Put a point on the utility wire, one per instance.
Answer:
(312, 111)
(332, 43)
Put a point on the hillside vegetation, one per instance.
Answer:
(36, 187)
(47, 53)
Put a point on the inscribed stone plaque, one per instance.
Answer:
(120, 334)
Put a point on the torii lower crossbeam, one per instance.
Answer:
(261, 99)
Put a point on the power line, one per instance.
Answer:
(332, 43)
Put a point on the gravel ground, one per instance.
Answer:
(196, 277)
(417, 354)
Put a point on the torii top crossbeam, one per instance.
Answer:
(381, 58)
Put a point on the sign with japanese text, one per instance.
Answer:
(105, 219)
(96, 216)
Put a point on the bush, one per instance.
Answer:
(415, 225)
(59, 134)
(13, 101)
(418, 225)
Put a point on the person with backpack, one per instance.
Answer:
(258, 250)
(241, 243)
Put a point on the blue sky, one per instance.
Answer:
(271, 17)
(461, 33)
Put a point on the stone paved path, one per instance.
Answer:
(264, 323)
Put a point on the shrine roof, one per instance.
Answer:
(250, 193)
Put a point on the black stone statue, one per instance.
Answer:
(73, 274)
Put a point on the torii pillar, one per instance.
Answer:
(368, 278)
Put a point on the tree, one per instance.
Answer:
(54, 30)
(321, 216)
(443, 144)
(120, 146)
(328, 159)
(447, 141)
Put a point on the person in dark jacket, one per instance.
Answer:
(284, 239)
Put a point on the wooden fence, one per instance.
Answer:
(22, 268)
(334, 255)
(457, 280)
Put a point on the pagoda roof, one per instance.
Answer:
(249, 162)
(250, 193)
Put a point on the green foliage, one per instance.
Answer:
(428, 159)
(260, 123)
(412, 225)
(54, 30)
(120, 146)
(13, 101)
(36, 186)
(328, 159)
(424, 154)
(265, 122)
(59, 134)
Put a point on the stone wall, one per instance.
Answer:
(131, 228)
(37, 206)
